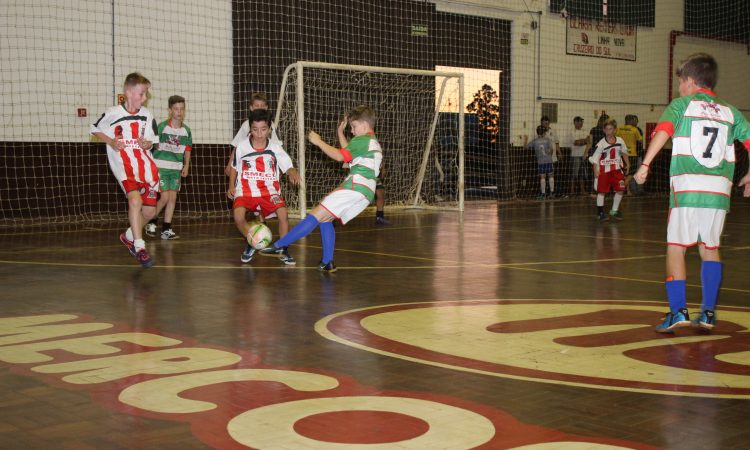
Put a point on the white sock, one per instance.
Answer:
(552, 184)
(139, 244)
(129, 234)
(543, 185)
(616, 203)
(599, 199)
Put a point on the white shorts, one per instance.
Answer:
(692, 226)
(345, 204)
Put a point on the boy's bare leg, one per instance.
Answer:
(170, 205)
(283, 216)
(239, 220)
(161, 203)
(676, 262)
(135, 216)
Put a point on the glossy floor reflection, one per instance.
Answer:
(510, 326)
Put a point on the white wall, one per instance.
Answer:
(589, 84)
(57, 56)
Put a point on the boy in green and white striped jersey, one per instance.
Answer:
(172, 157)
(703, 129)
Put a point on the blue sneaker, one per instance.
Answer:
(247, 255)
(674, 319)
(706, 321)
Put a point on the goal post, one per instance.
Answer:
(423, 145)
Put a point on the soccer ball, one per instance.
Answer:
(259, 236)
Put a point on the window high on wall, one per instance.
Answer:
(474, 81)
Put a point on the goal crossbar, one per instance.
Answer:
(300, 66)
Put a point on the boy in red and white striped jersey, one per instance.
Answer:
(129, 130)
(254, 180)
(610, 156)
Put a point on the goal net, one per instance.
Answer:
(422, 146)
(63, 65)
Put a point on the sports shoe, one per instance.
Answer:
(382, 221)
(128, 243)
(151, 229)
(144, 258)
(616, 215)
(541, 197)
(330, 267)
(286, 258)
(247, 255)
(603, 217)
(672, 320)
(707, 320)
(169, 234)
(271, 250)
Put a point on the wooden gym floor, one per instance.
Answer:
(512, 326)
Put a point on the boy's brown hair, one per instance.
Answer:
(365, 113)
(175, 99)
(702, 68)
(612, 122)
(134, 79)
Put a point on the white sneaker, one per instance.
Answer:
(168, 235)
(151, 229)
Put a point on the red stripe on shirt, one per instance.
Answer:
(666, 126)
(347, 155)
(129, 175)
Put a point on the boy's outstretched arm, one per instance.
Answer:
(657, 142)
(329, 150)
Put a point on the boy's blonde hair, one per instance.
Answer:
(259, 96)
(364, 113)
(134, 79)
(612, 122)
(702, 68)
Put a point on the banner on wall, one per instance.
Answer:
(601, 39)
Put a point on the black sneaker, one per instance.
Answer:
(603, 217)
(271, 250)
(286, 258)
(382, 221)
(330, 267)
(247, 255)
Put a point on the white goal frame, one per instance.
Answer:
(416, 202)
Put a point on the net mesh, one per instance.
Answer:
(562, 58)
(408, 128)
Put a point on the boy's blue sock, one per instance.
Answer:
(711, 275)
(676, 294)
(328, 237)
(299, 231)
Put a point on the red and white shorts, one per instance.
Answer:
(148, 191)
(612, 180)
(266, 205)
(687, 227)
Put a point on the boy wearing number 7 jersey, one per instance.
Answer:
(703, 129)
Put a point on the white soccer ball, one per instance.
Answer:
(259, 236)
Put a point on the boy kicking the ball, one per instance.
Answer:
(254, 181)
(354, 194)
